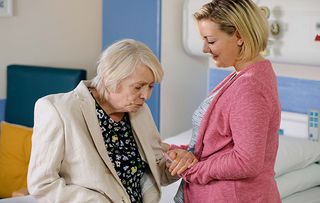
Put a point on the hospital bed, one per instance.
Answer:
(297, 165)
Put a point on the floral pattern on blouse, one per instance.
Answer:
(123, 152)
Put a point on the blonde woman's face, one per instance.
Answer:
(132, 92)
(223, 48)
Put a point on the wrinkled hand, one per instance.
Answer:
(180, 161)
(165, 146)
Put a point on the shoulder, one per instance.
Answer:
(55, 99)
(261, 71)
(258, 77)
(81, 92)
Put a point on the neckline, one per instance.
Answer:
(109, 116)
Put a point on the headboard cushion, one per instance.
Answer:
(25, 84)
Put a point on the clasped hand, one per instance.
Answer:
(178, 160)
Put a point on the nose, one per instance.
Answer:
(146, 93)
(205, 48)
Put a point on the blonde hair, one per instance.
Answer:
(119, 61)
(241, 16)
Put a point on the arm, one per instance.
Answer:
(44, 180)
(249, 119)
(164, 163)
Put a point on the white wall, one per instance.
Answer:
(51, 33)
(185, 80)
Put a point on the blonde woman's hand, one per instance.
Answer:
(181, 160)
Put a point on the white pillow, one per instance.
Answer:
(298, 180)
(295, 153)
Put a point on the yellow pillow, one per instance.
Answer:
(15, 147)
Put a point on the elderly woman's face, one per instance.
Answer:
(132, 92)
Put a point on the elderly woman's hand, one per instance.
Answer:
(181, 160)
(165, 146)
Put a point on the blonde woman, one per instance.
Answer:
(235, 128)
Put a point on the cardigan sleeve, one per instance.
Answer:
(173, 146)
(249, 123)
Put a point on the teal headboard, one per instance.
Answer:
(25, 84)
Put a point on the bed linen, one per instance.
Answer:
(311, 195)
(296, 172)
(24, 199)
(295, 153)
(299, 180)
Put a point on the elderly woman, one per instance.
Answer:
(99, 143)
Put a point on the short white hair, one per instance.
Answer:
(119, 61)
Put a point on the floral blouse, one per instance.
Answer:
(123, 152)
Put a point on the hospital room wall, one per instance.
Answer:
(185, 80)
(50, 33)
(36, 35)
(57, 33)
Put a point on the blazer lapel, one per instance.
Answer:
(87, 105)
(138, 125)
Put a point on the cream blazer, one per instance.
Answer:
(69, 162)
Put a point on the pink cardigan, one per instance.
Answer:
(238, 142)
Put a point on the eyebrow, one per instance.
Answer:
(142, 82)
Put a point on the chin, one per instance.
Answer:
(134, 109)
(221, 65)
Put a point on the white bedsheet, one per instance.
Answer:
(25, 199)
(182, 138)
(168, 192)
(308, 196)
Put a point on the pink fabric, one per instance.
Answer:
(238, 142)
(173, 146)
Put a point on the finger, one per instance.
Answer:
(193, 163)
(173, 165)
(168, 164)
(172, 154)
(165, 147)
(175, 160)
(180, 165)
(181, 170)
